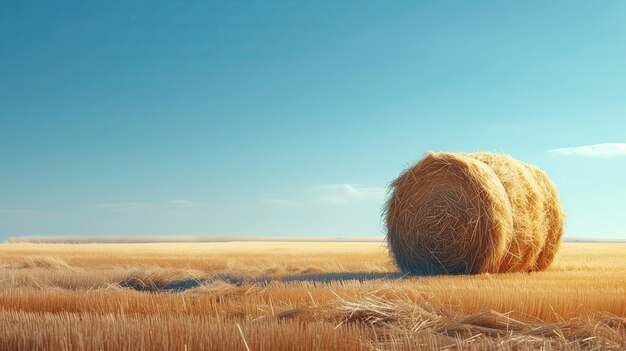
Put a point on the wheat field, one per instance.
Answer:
(299, 296)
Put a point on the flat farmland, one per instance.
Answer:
(299, 295)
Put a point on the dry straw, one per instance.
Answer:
(473, 213)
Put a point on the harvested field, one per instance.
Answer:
(266, 296)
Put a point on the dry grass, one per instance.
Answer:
(299, 296)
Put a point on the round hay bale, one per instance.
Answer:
(473, 213)
(553, 220)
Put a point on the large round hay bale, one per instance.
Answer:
(553, 220)
(473, 213)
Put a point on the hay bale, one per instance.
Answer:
(473, 213)
(554, 220)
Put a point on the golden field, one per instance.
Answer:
(299, 295)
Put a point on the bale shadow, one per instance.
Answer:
(324, 278)
(334, 277)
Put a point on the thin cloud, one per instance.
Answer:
(597, 150)
(333, 194)
(345, 193)
(282, 202)
(139, 205)
(24, 213)
(185, 203)
(123, 206)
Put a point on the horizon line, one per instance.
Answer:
(146, 239)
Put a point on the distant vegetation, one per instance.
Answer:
(181, 239)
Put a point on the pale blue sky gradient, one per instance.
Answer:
(284, 118)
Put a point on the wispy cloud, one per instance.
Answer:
(597, 150)
(139, 205)
(24, 213)
(123, 206)
(332, 194)
(344, 193)
(185, 203)
(282, 202)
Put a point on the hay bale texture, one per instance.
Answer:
(473, 213)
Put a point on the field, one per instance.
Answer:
(299, 295)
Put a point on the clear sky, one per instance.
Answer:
(291, 118)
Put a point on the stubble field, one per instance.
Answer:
(299, 295)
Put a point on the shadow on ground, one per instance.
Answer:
(183, 285)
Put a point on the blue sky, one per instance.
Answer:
(286, 118)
